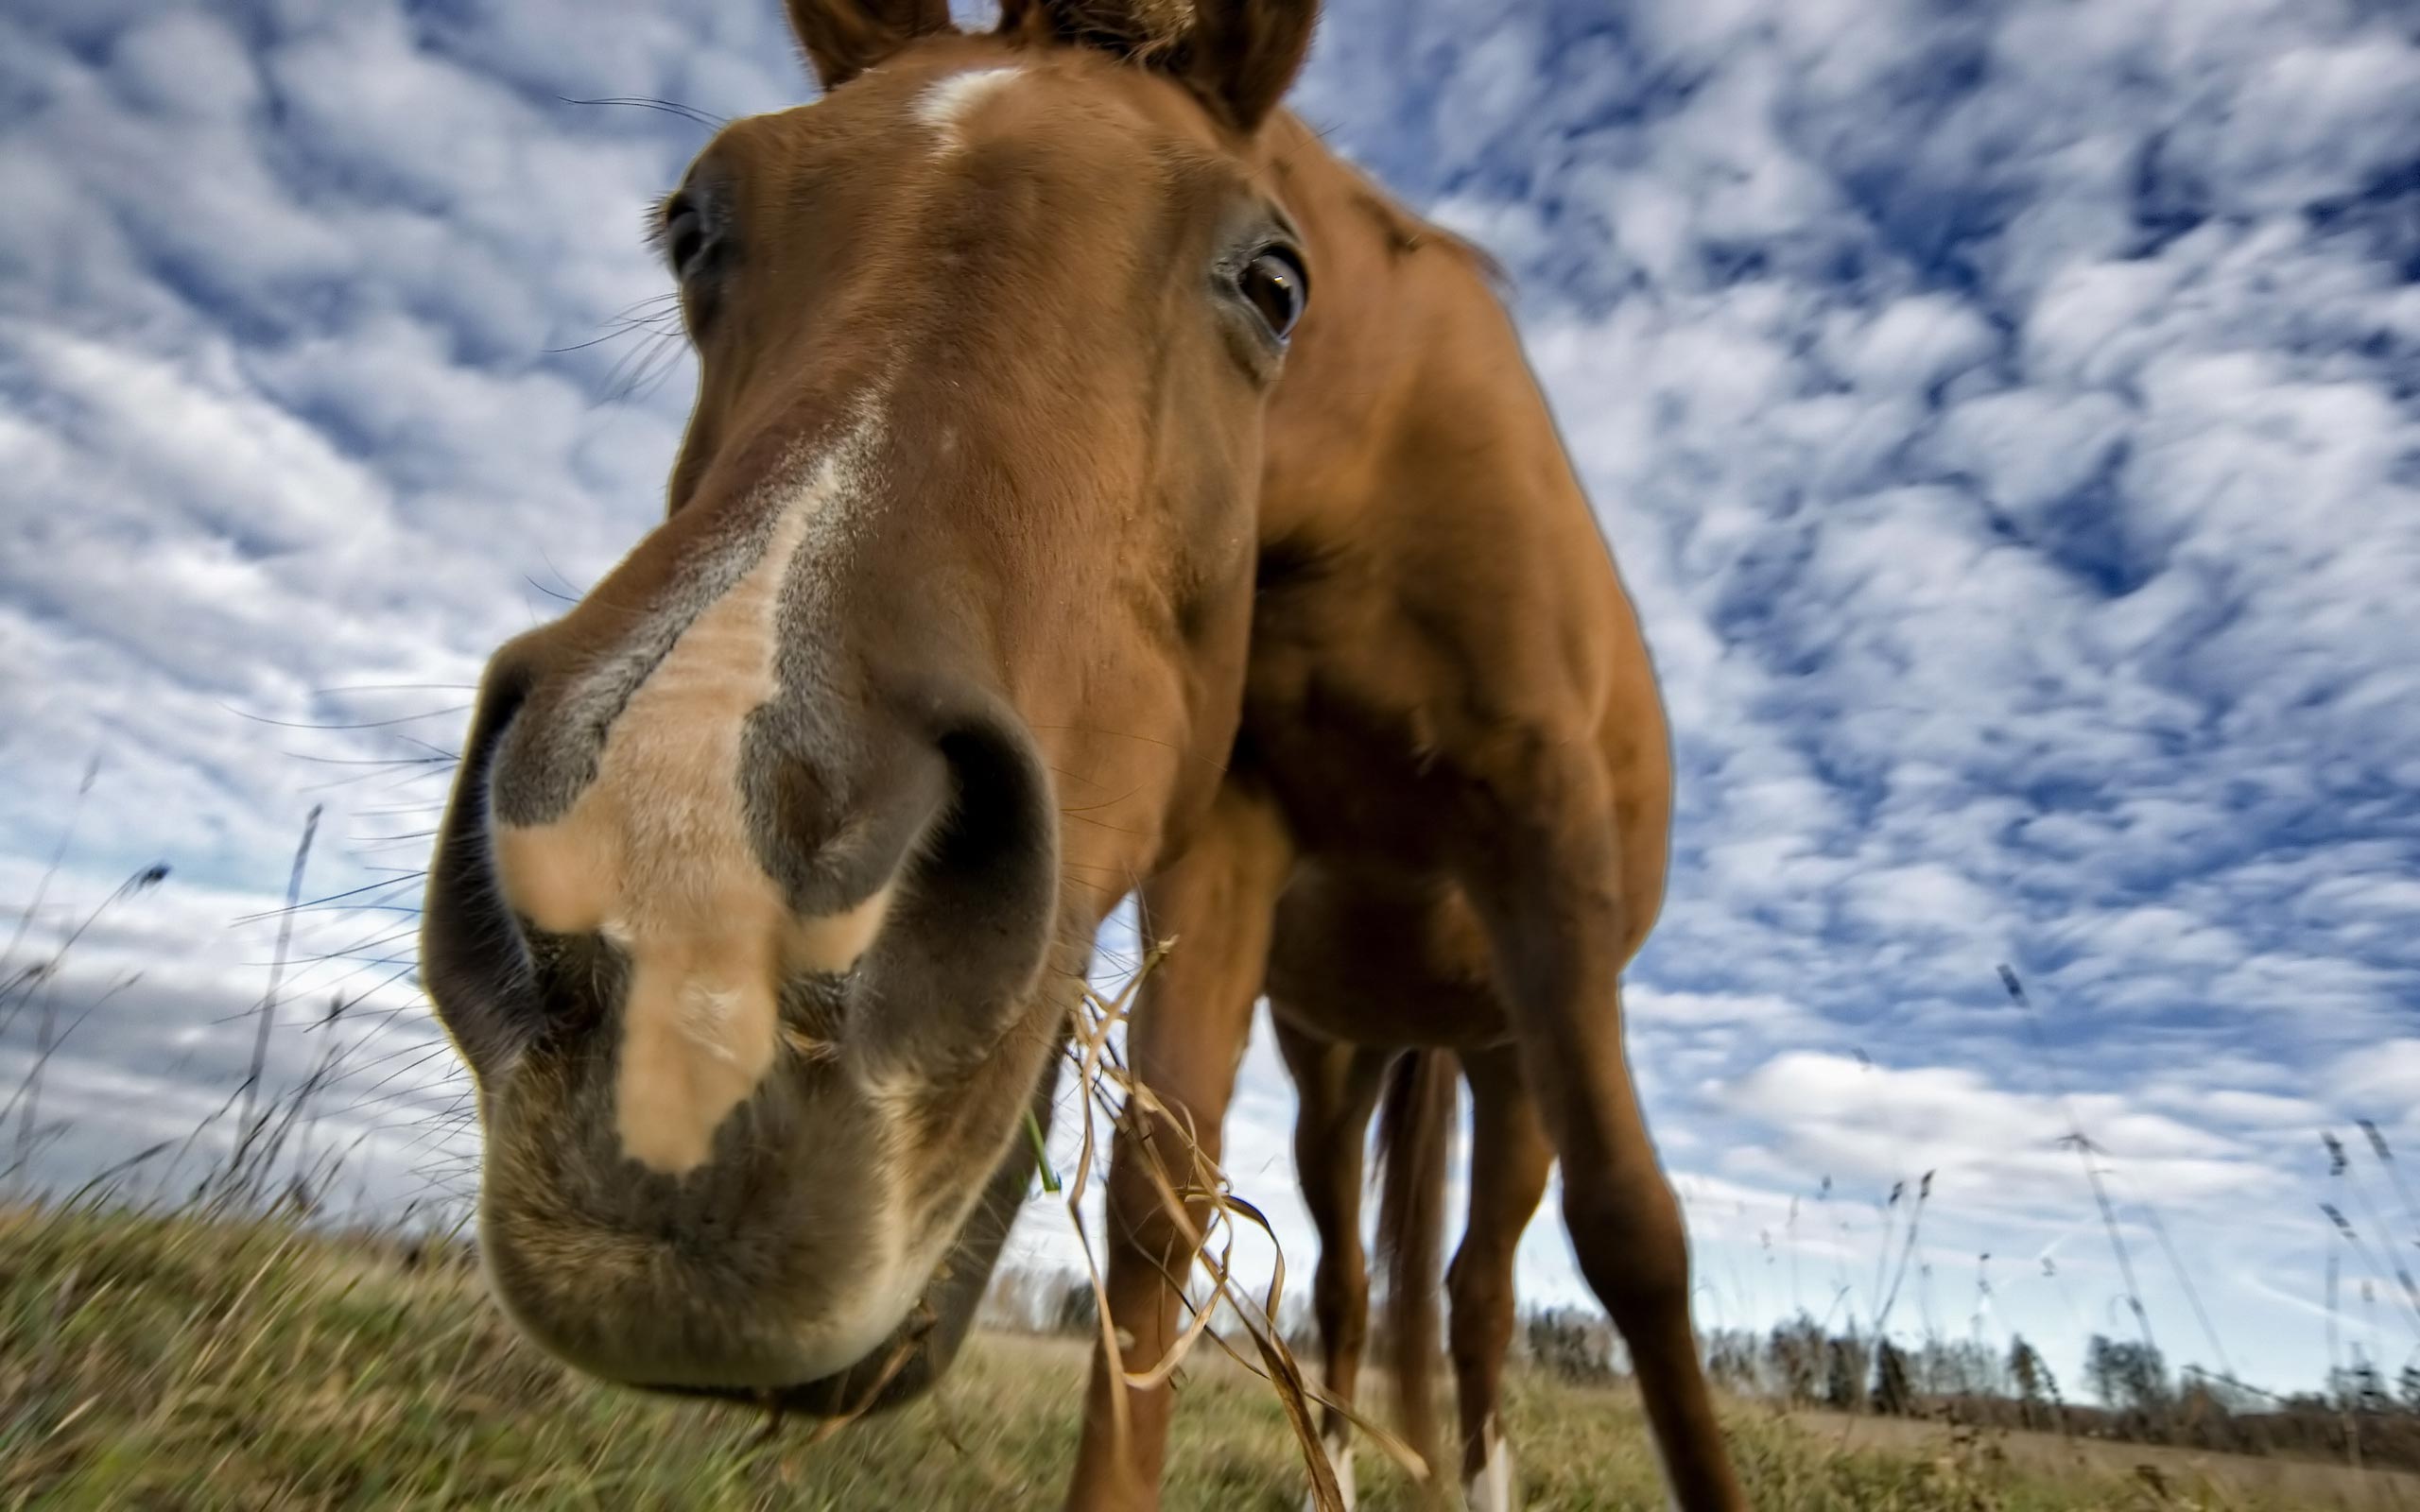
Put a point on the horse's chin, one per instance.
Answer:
(920, 1349)
(895, 1372)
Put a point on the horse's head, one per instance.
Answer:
(773, 866)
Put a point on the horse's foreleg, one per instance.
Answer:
(1546, 873)
(1190, 1022)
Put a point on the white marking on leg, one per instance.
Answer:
(945, 106)
(1339, 1448)
(1496, 1487)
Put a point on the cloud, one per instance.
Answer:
(2383, 1078)
(1857, 1118)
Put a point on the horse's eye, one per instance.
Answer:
(685, 235)
(1274, 283)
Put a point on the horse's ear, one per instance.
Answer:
(1238, 55)
(1245, 54)
(844, 38)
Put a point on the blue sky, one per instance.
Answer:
(2007, 416)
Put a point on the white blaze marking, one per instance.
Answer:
(946, 104)
(1340, 1459)
(656, 855)
(1493, 1489)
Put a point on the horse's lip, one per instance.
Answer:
(909, 1359)
(842, 1393)
(815, 1398)
(824, 1397)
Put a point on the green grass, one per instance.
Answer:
(174, 1362)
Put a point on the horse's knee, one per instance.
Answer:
(1632, 1246)
(1147, 1169)
(1478, 1293)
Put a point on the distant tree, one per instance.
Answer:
(2030, 1379)
(2124, 1373)
(2036, 1384)
(2410, 1387)
(1731, 1358)
(1845, 1374)
(2099, 1369)
(1958, 1368)
(1571, 1343)
(1895, 1394)
(2359, 1387)
(1079, 1310)
(2025, 1369)
(1796, 1350)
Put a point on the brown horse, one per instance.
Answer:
(1031, 540)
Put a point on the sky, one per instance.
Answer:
(2006, 415)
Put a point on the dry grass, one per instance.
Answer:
(175, 1361)
(2226, 1480)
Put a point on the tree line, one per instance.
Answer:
(2363, 1416)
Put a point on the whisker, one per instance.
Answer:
(394, 687)
(322, 902)
(363, 723)
(659, 309)
(673, 108)
(369, 760)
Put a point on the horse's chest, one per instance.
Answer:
(1357, 772)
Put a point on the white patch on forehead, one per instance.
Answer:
(949, 103)
(656, 852)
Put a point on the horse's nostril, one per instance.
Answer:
(995, 832)
(833, 834)
(512, 675)
(474, 960)
(971, 926)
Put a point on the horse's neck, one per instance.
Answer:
(1352, 379)
(1407, 353)
(1418, 488)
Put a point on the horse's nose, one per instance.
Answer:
(665, 862)
(711, 952)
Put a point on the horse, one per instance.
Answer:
(1094, 488)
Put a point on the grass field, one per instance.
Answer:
(173, 1362)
